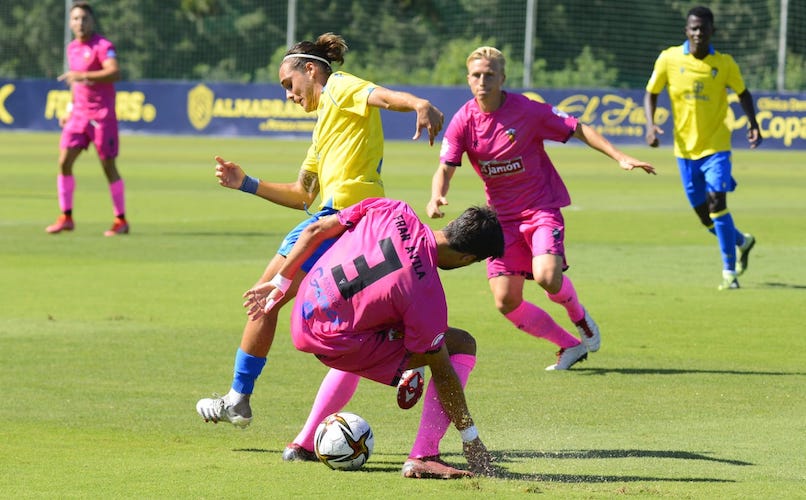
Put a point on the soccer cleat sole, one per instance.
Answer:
(431, 469)
(410, 388)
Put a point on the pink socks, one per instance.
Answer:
(567, 297)
(537, 322)
(116, 189)
(334, 393)
(65, 186)
(434, 422)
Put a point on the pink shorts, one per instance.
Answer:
(79, 132)
(379, 356)
(538, 232)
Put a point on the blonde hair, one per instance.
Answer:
(490, 54)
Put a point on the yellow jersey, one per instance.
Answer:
(347, 149)
(699, 98)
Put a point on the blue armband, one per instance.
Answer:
(249, 185)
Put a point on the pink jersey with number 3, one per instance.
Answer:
(506, 149)
(380, 275)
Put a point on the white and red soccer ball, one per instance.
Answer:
(343, 441)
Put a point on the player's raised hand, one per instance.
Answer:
(256, 300)
(429, 117)
(260, 299)
(229, 174)
(754, 137)
(629, 163)
(71, 77)
(432, 209)
(652, 133)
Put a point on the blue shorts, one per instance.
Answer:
(293, 236)
(711, 174)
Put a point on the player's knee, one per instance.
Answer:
(550, 280)
(460, 341)
(704, 214)
(66, 166)
(717, 203)
(507, 303)
(553, 284)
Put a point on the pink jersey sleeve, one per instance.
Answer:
(106, 50)
(555, 125)
(453, 140)
(426, 318)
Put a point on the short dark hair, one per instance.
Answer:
(702, 13)
(476, 231)
(85, 6)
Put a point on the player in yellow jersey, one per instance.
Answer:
(697, 78)
(343, 165)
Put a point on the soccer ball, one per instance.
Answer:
(343, 441)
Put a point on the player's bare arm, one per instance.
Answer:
(598, 142)
(262, 297)
(429, 117)
(749, 108)
(447, 385)
(652, 130)
(299, 194)
(309, 182)
(110, 72)
(452, 397)
(440, 184)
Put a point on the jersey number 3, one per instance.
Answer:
(367, 275)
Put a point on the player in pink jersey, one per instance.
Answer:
(91, 118)
(373, 305)
(343, 166)
(502, 134)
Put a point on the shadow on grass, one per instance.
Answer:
(676, 371)
(508, 456)
(381, 462)
(791, 286)
(376, 464)
(582, 478)
(503, 457)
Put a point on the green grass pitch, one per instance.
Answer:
(107, 343)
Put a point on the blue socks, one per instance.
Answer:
(740, 240)
(726, 233)
(247, 370)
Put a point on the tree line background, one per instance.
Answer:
(578, 43)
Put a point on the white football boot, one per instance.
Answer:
(569, 356)
(589, 332)
(219, 409)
